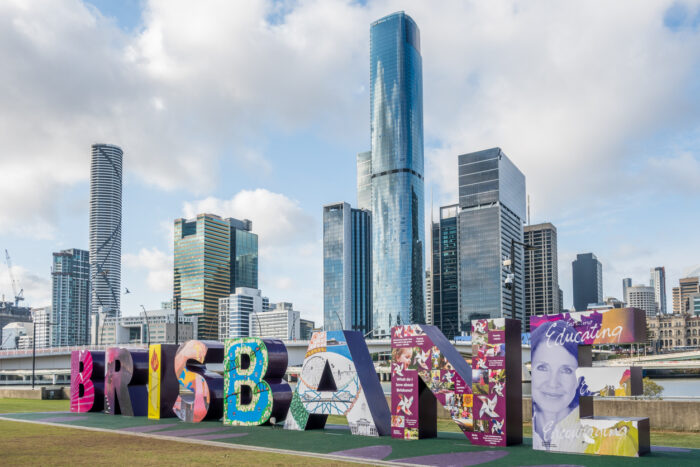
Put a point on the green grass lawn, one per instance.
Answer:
(33, 405)
(68, 446)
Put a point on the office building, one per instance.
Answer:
(587, 280)
(44, 329)
(148, 327)
(106, 228)
(658, 282)
(347, 268)
(626, 283)
(235, 310)
(70, 298)
(306, 329)
(561, 301)
(687, 287)
(541, 271)
(491, 214)
(396, 167)
(445, 280)
(213, 256)
(642, 297)
(12, 313)
(282, 322)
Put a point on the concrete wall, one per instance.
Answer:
(663, 415)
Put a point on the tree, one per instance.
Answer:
(652, 390)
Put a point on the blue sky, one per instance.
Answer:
(257, 109)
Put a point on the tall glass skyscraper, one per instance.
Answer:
(658, 282)
(213, 256)
(541, 272)
(492, 210)
(70, 298)
(347, 268)
(588, 281)
(396, 173)
(106, 227)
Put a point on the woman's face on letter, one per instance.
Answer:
(554, 381)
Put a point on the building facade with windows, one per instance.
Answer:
(148, 327)
(491, 214)
(347, 268)
(212, 257)
(541, 271)
(658, 282)
(395, 173)
(106, 228)
(673, 332)
(643, 297)
(587, 280)
(687, 288)
(281, 322)
(626, 283)
(235, 311)
(70, 298)
(445, 267)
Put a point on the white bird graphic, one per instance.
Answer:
(405, 405)
(488, 407)
(421, 358)
(398, 370)
(480, 327)
(497, 427)
(498, 388)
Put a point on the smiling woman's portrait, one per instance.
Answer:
(555, 387)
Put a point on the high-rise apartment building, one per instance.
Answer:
(492, 210)
(106, 228)
(347, 268)
(395, 173)
(213, 256)
(587, 280)
(658, 282)
(541, 271)
(642, 297)
(11, 313)
(626, 284)
(687, 287)
(70, 298)
(445, 267)
(235, 311)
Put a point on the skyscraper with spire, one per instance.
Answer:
(390, 177)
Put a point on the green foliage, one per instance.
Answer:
(652, 390)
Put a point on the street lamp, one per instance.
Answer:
(148, 326)
(511, 276)
(177, 301)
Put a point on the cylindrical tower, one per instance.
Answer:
(396, 113)
(105, 227)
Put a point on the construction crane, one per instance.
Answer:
(18, 296)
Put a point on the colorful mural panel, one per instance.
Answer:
(563, 383)
(126, 382)
(426, 367)
(87, 381)
(338, 378)
(202, 398)
(162, 381)
(255, 392)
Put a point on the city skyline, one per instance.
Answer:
(280, 185)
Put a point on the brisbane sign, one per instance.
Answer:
(338, 377)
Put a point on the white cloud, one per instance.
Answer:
(37, 289)
(278, 220)
(158, 266)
